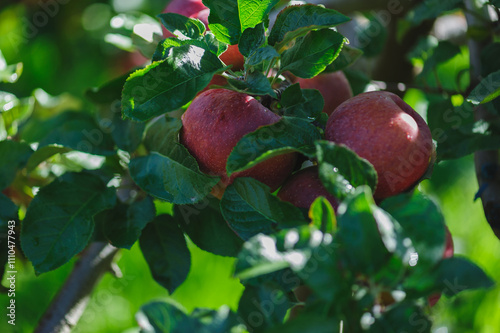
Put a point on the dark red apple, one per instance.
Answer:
(334, 88)
(212, 126)
(380, 127)
(303, 187)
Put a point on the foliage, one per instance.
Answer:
(74, 175)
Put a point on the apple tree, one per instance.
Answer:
(278, 135)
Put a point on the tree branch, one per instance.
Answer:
(68, 306)
(486, 161)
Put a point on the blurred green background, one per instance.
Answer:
(76, 48)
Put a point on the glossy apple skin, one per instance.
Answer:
(380, 127)
(214, 123)
(334, 88)
(303, 187)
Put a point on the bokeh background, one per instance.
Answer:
(67, 47)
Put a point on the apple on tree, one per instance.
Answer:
(334, 87)
(212, 126)
(303, 187)
(380, 127)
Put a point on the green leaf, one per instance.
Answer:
(490, 58)
(8, 211)
(207, 228)
(15, 155)
(169, 317)
(208, 42)
(358, 234)
(302, 103)
(266, 53)
(442, 53)
(262, 307)
(14, 112)
(9, 73)
(443, 116)
(78, 131)
(126, 134)
(170, 172)
(122, 225)
(295, 21)
(322, 215)
(346, 58)
(224, 20)
(59, 220)
(372, 36)
(465, 140)
(214, 45)
(163, 135)
(250, 209)
(341, 170)
(180, 25)
(8, 220)
(402, 317)
(312, 53)
(222, 320)
(164, 248)
(285, 136)
(423, 224)
(255, 83)
(308, 322)
(174, 179)
(290, 248)
(450, 276)
(160, 317)
(251, 39)
(430, 9)
(167, 85)
(44, 153)
(487, 90)
(254, 12)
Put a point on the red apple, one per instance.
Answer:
(380, 127)
(334, 88)
(303, 187)
(212, 126)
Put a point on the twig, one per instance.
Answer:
(489, 182)
(68, 306)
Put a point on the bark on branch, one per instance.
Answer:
(68, 305)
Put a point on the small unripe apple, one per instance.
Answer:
(334, 88)
(380, 127)
(212, 126)
(303, 187)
